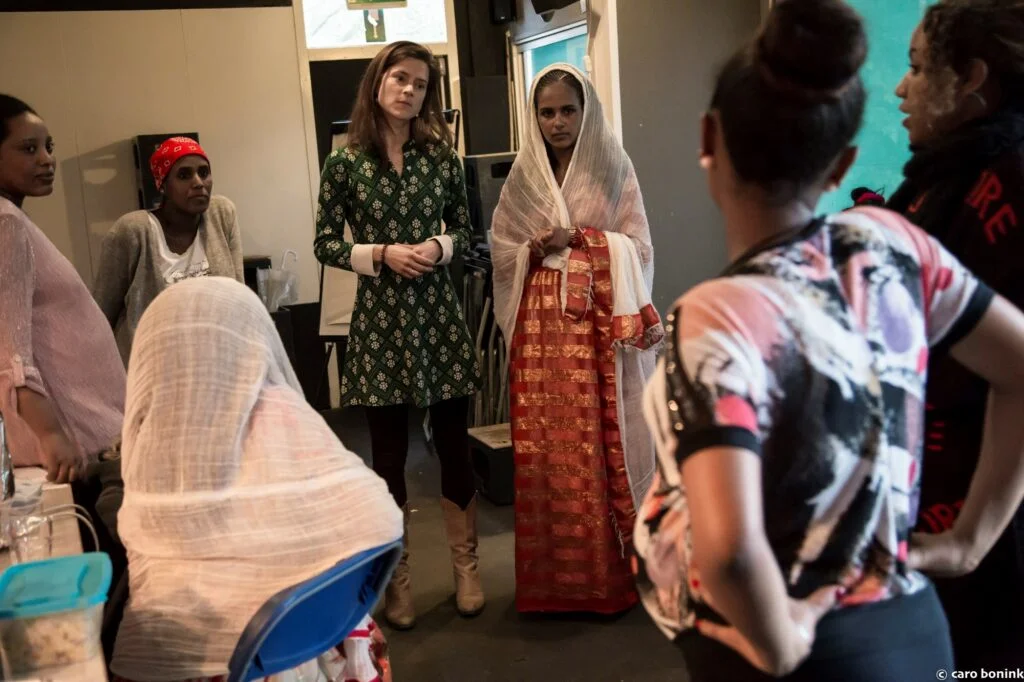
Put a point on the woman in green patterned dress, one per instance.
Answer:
(395, 182)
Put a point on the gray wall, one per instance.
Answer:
(669, 54)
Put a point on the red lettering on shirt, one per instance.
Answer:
(1003, 219)
(941, 517)
(988, 189)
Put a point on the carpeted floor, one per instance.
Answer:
(499, 645)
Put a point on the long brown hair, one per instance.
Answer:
(368, 122)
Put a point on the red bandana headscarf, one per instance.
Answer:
(168, 154)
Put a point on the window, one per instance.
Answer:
(569, 46)
(331, 25)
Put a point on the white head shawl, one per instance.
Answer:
(600, 190)
(235, 488)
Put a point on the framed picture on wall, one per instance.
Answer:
(331, 28)
(376, 4)
(373, 24)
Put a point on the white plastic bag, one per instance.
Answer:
(282, 284)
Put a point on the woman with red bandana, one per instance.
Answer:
(191, 234)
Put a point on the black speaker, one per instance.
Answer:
(143, 147)
(487, 130)
(503, 11)
(542, 6)
(493, 463)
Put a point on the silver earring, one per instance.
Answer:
(981, 100)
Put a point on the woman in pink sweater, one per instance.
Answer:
(62, 384)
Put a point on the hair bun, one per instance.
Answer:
(816, 46)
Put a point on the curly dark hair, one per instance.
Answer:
(960, 31)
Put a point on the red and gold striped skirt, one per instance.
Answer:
(573, 509)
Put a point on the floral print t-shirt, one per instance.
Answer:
(812, 353)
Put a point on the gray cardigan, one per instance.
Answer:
(129, 277)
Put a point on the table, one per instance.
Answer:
(66, 538)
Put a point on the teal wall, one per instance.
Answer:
(883, 140)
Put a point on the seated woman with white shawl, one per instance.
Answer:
(573, 267)
(234, 489)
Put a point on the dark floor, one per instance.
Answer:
(499, 645)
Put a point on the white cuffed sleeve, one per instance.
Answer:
(362, 260)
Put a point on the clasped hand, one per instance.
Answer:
(412, 261)
(550, 241)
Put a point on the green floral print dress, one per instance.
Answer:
(408, 341)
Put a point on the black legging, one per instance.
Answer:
(389, 442)
(904, 639)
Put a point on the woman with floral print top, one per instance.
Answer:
(788, 409)
(408, 344)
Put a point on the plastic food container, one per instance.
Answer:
(51, 613)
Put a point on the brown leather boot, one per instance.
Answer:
(398, 606)
(462, 541)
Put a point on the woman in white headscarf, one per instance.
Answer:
(234, 487)
(573, 266)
